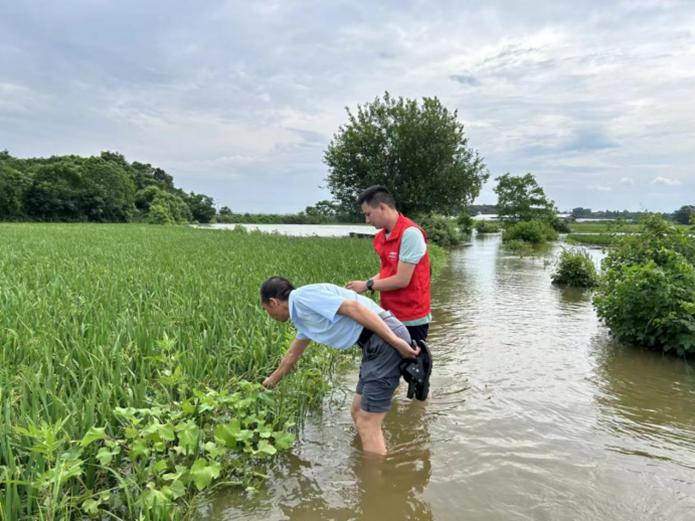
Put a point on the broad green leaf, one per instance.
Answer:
(188, 408)
(283, 440)
(202, 474)
(94, 434)
(188, 437)
(265, 447)
(139, 448)
(91, 507)
(105, 456)
(160, 466)
(178, 489)
(228, 432)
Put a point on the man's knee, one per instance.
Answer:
(368, 421)
(355, 407)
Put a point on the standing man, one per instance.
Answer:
(404, 276)
(339, 318)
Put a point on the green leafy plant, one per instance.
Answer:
(534, 232)
(488, 226)
(646, 294)
(440, 229)
(575, 268)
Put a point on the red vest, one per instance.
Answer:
(413, 301)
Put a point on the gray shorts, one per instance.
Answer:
(379, 371)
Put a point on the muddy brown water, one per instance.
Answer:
(536, 414)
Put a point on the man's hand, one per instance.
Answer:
(405, 349)
(287, 363)
(269, 383)
(360, 286)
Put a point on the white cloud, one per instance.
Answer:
(667, 181)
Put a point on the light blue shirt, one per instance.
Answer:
(314, 312)
(413, 246)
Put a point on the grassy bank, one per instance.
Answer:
(129, 362)
(612, 227)
(598, 239)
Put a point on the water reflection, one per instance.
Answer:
(649, 399)
(331, 479)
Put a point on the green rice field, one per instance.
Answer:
(130, 362)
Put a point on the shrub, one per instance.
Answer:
(465, 222)
(159, 214)
(646, 294)
(440, 229)
(487, 226)
(560, 225)
(575, 268)
(535, 232)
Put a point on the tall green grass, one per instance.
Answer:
(141, 330)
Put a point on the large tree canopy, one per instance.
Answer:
(520, 198)
(104, 188)
(684, 215)
(418, 151)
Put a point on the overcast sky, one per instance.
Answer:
(239, 100)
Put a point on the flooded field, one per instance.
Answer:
(536, 414)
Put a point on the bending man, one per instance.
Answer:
(339, 318)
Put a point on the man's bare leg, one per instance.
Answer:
(368, 426)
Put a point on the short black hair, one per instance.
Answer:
(377, 194)
(276, 287)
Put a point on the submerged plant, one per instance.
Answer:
(575, 268)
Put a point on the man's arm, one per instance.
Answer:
(413, 247)
(288, 362)
(400, 280)
(367, 318)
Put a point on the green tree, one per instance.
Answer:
(13, 187)
(110, 190)
(520, 198)
(684, 214)
(57, 193)
(418, 151)
(202, 207)
(168, 208)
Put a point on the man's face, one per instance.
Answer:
(276, 309)
(374, 215)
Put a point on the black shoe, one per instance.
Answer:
(417, 372)
(422, 391)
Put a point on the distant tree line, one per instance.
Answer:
(103, 188)
(683, 215)
(311, 215)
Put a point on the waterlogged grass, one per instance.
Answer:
(613, 227)
(130, 358)
(597, 239)
(605, 227)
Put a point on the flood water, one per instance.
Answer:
(536, 414)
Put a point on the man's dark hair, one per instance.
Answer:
(276, 287)
(376, 194)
